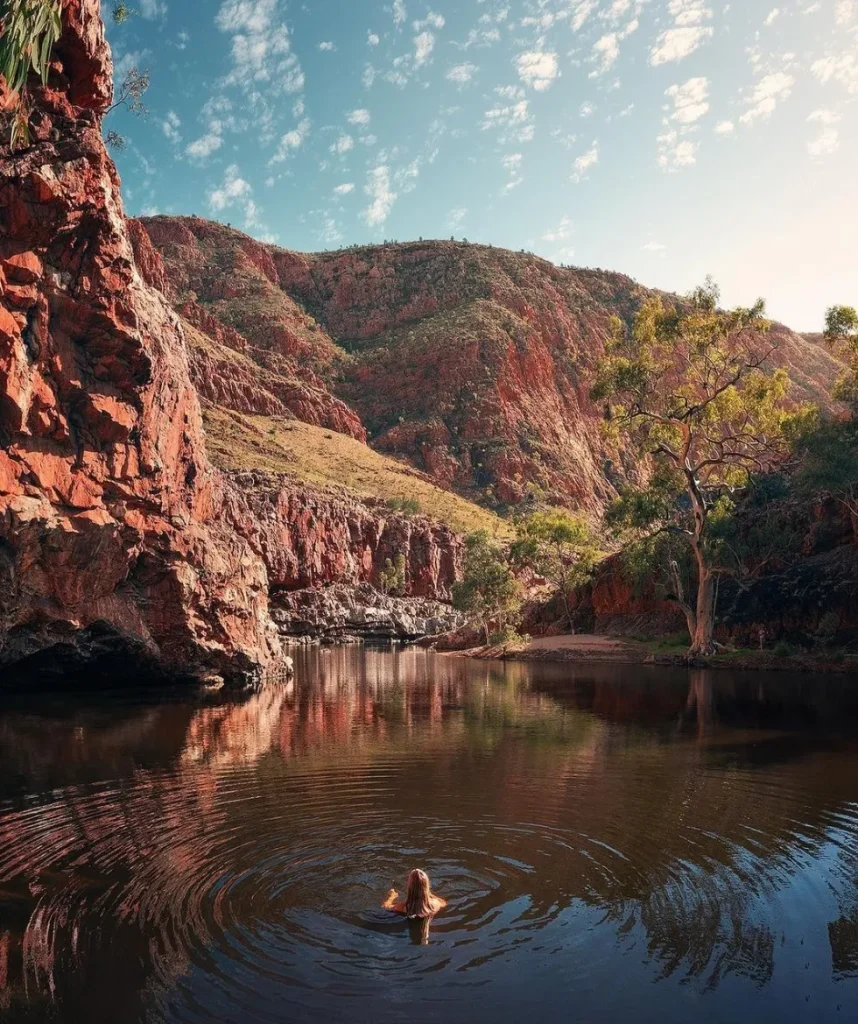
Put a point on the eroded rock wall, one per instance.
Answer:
(111, 534)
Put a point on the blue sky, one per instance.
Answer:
(666, 139)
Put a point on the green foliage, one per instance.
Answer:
(828, 461)
(121, 13)
(392, 578)
(407, 506)
(509, 636)
(841, 333)
(784, 650)
(688, 388)
(557, 545)
(488, 589)
(30, 30)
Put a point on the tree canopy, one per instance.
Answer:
(557, 545)
(690, 387)
(488, 589)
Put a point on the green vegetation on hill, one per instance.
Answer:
(323, 458)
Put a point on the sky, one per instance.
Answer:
(666, 139)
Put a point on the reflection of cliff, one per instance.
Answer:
(679, 811)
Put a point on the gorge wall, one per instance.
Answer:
(120, 545)
(473, 363)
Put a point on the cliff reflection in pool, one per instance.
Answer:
(615, 843)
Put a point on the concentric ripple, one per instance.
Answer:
(238, 874)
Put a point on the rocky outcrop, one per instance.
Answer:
(311, 539)
(112, 540)
(227, 286)
(343, 613)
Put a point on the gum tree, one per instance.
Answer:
(488, 589)
(558, 546)
(688, 387)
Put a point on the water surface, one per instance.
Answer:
(616, 843)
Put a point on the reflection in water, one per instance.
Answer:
(594, 830)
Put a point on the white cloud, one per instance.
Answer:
(290, 142)
(327, 47)
(585, 162)
(233, 190)
(537, 68)
(372, 39)
(170, 126)
(586, 110)
(343, 144)
(561, 232)
(432, 20)
(841, 68)
(344, 189)
(424, 43)
(581, 13)
(725, 128)
(676, 152)
(687, 34)
(398, 11)
(382, 197)
(203, 147)
(772, 16)
(361, 117)
(261, 49)
(768, 92)
(690, 101)
(456, 216)
(828, 140)
(653, 247)
(514, 122)
(461, 74)
(330, 234)
(605, 53)
(843, 11)
(511, 163)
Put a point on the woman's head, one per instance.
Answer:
(418, 896)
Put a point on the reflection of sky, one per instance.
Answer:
(584, 855)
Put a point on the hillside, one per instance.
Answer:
(325, 459)
(472, 363)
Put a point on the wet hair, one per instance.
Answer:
(418, 896)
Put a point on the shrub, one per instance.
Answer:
(407, 506)
(509, 637)
(784, 650)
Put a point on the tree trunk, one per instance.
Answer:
(702, 640)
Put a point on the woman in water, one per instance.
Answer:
(419, 900)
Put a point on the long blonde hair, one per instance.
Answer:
(418, 895)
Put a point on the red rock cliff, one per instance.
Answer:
(111, 536)
(120, 545)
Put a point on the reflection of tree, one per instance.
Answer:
(562, 787)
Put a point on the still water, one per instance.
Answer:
(616, 844)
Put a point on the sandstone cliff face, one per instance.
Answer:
(473, 363)
(121, 548)
(227, 286)
(110, 531)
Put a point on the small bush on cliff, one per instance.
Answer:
(407, 506)
(688, 387)
(488, 591)
(392, 578)
(559, 546)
